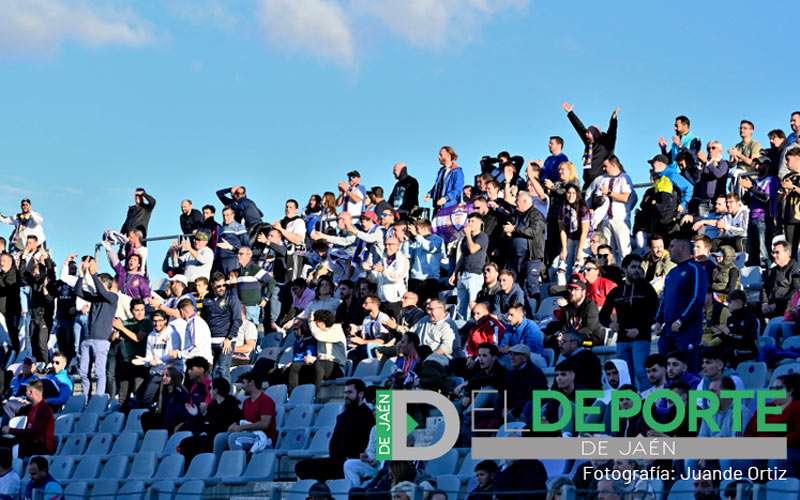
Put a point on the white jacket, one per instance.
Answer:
(393, 280)
(202, 338)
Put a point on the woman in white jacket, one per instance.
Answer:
(331, 356)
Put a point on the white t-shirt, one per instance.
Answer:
(248, 331)
(297, 226)
(618, 184)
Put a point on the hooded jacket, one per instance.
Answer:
(602, 145)
(624, 378)
(672, 172)
(725, 277)
(636, 304)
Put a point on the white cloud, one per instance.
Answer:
(320, 27)
(42, 26)
(435, 24)
(214, 13)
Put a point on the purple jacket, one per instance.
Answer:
(134, 285)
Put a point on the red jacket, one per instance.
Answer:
(598, 291)
(484, 331)
(39, 431)
(789, 416)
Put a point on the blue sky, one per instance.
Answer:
(285, 96)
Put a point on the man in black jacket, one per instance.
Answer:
(598, 145)
(523, 378)
(405, 194)
(585, 363)
(191, 219)
(579, 314)
(10, 307)
(525, 232)
(350, 436)
(245, 209)
(139, 213)
(636, 305)
(780, 283)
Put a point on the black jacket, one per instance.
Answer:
(587, 369)
(139, 215)
(478, 378)
(191, 222)
(521, 475)
(520, 382)
(9, 292)
(602, 148)
(351, 434)
(531, 226)
(584, 318)
(405, 194)
(779, 285)
(636, 305)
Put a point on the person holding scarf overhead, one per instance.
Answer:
(446, 191)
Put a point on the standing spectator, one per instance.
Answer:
(427, 251)
(195, 258)
(101, 314)
(10, 307)
(713, 176)
(38, 435)
(405, 194)
(657, 263)
(392, 274)
(573, 228)
(210, 226)
(744, 153)
(134, 334)
(550, 165)
(139, 213)
(232, 237)
(258, 409)
(26, 223)
(369, 242)
(790, 196)
(253, 285)
(222, 311)
(682, 141)
(131, 279)
(196, 334)
(446, 191)
(680, 315)
(379, 203)
(245, 209)
(664, 167)
(471, 257)
(491, 288)
(760, 196)
(777, 142)
(609, 195)
(352, 195)
(526, 231)
(190, 219)
(598, 146)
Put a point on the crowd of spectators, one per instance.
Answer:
(523, 273)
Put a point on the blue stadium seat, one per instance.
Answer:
(366, 368)
(318, 446)
(161, 490)
(154, 441)
(104, 489)
(292, 439)
(87, 468)
(682, 490)
(202, 467)
(299, 417)
(260, 468)
(450, 484)
(143, 466)
(77, 490)
(170, 468)
(446, 464)
(125, 444)
(64, 424)
(98, 403)
(327, 415)
(783, 489)
(231, 464)
(74, 404)
(100, 444)
(467, 469)
(115, 468)
(61, 468)
(791, 342)
(131, 490)
(112, 423)
(74, 444)
(339, 488)
(753, 374)
(277, 393)
(784, 369)
(174, 441)
(301, 395)
(191, 490)
(134, 421)
(87, 423)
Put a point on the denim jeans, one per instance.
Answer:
(467, 289)
(635, 353)
(100, 348)
(222, 362)
(253, 313)
(81, 329)
(64, 330)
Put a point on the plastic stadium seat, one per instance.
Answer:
(76, 491)
(538, 360)
(446, 464)
(753, 374)
(161, 490)
(388, 368)
(61, 468)
(792, 342)
(190, 490)
(340, 488)
(238, 371)
(18, 422)
(112, 423)
(154, 441)
(277, 393)
(450, 484)
(682, 490)
(87, 468)
(125, 444)
(64, 424)
(131, 490)
(299, 490)
(143, 466)
(104, 489)
(134, 421)
(299, 417)
(467, 469)
(231, 464)
(301, 395)
(115, 468)
(74, 445)
(280, 415)
(292, 439)
(783, 489)
(784, 370)
(751, 278)
(98, 404)
(549, 355)
(511, 429)
(87, 423)
(202, 467)
(17, 466)
(174, 441)
(318, 446)
(327, 415)
(74, 404)
(366, 368)
(170, 468)
(260, 468)
(99, 445)
(546, 308)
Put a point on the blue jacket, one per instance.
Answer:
(684, 295)
(527, 332)
(550, 167)
(672, 172)
(64, 384)
(223, 315)
(103, 310)
(450, 188)
(244, 208)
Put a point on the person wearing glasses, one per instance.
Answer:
(780, 282)
(713, 176)
(62, 381)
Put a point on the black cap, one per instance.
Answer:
(660, 158)
(353, 173)
(577, 282)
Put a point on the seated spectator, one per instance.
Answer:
(61, 379)
(198, 383)
(780, 283)
(409, 316)
(521, 330)
(733, 225)
(510, 294)
(9, 479)
(725, 277)
(438, 331)
(258, 414)
(331, 358)
(372, 333)
(520, 475)
(739, 334)
(716, 316)
(715, 368)
(168, 410)
(38, 435)
(408, 359)
(597, 287)
(349, 438)
(208, 420)
(522, 378)
(485, 473)
(246, 338)
(490, 289)
(486, 374)
(579, 313)
(586, 363)
(615, 375)
(678, 370)
(41, 481)
(484, 328)
(656, 367)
